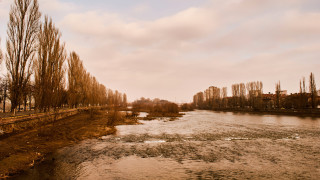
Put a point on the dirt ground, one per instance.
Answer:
(21, 151)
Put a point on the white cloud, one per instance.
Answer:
(219, 43)
(186, 25)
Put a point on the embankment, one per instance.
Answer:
(11, 125)
(22, 150)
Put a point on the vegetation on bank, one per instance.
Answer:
(156, 108)
(187, 107)
(250, 97)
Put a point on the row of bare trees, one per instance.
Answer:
(250, 96)
(116, 98)
(36, 66)
(243, 95)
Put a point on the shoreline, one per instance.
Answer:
(22, 151)
(297, 113)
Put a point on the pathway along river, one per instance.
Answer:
(200, 145)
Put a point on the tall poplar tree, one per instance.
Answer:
(313, 91)
(49, 67)
(23, 28)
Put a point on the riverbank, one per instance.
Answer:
(285, 112)
(22, 151)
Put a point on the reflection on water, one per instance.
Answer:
(199, 145)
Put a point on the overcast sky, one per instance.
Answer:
(171, 49)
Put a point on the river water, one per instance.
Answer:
(199, 145)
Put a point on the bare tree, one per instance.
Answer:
(3, 84)
(224, 96)
(49, 67)
(255, 94)
(242, 95)
(235, 94)
(303, 93)
(22, 33)
(26, 93)
(124, 100)
(75, 75)
(313, 91)
(110, 97)
(1, 56)
(278, 94)
(84, 89)
(4, 87)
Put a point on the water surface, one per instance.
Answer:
(199, 145)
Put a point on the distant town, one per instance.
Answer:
(251, 96)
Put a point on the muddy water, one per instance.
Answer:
(200, 145)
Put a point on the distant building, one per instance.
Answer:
(268, 96)
(283, 92)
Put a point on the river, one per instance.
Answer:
(199, 145)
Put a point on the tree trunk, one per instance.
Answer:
(30, 105)
(4, 97)
(25, 103)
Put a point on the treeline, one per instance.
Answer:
(156, 106)
(251, 96)
(39, 69)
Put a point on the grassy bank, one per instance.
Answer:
(22, 151)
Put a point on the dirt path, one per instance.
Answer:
(22, 151)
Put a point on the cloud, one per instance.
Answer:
(140, 9)
(217, 44)
(174, 56)
(4, 10)
(56, 6)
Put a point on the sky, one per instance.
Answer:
(172, 49)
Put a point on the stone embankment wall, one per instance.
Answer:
(20, 123)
